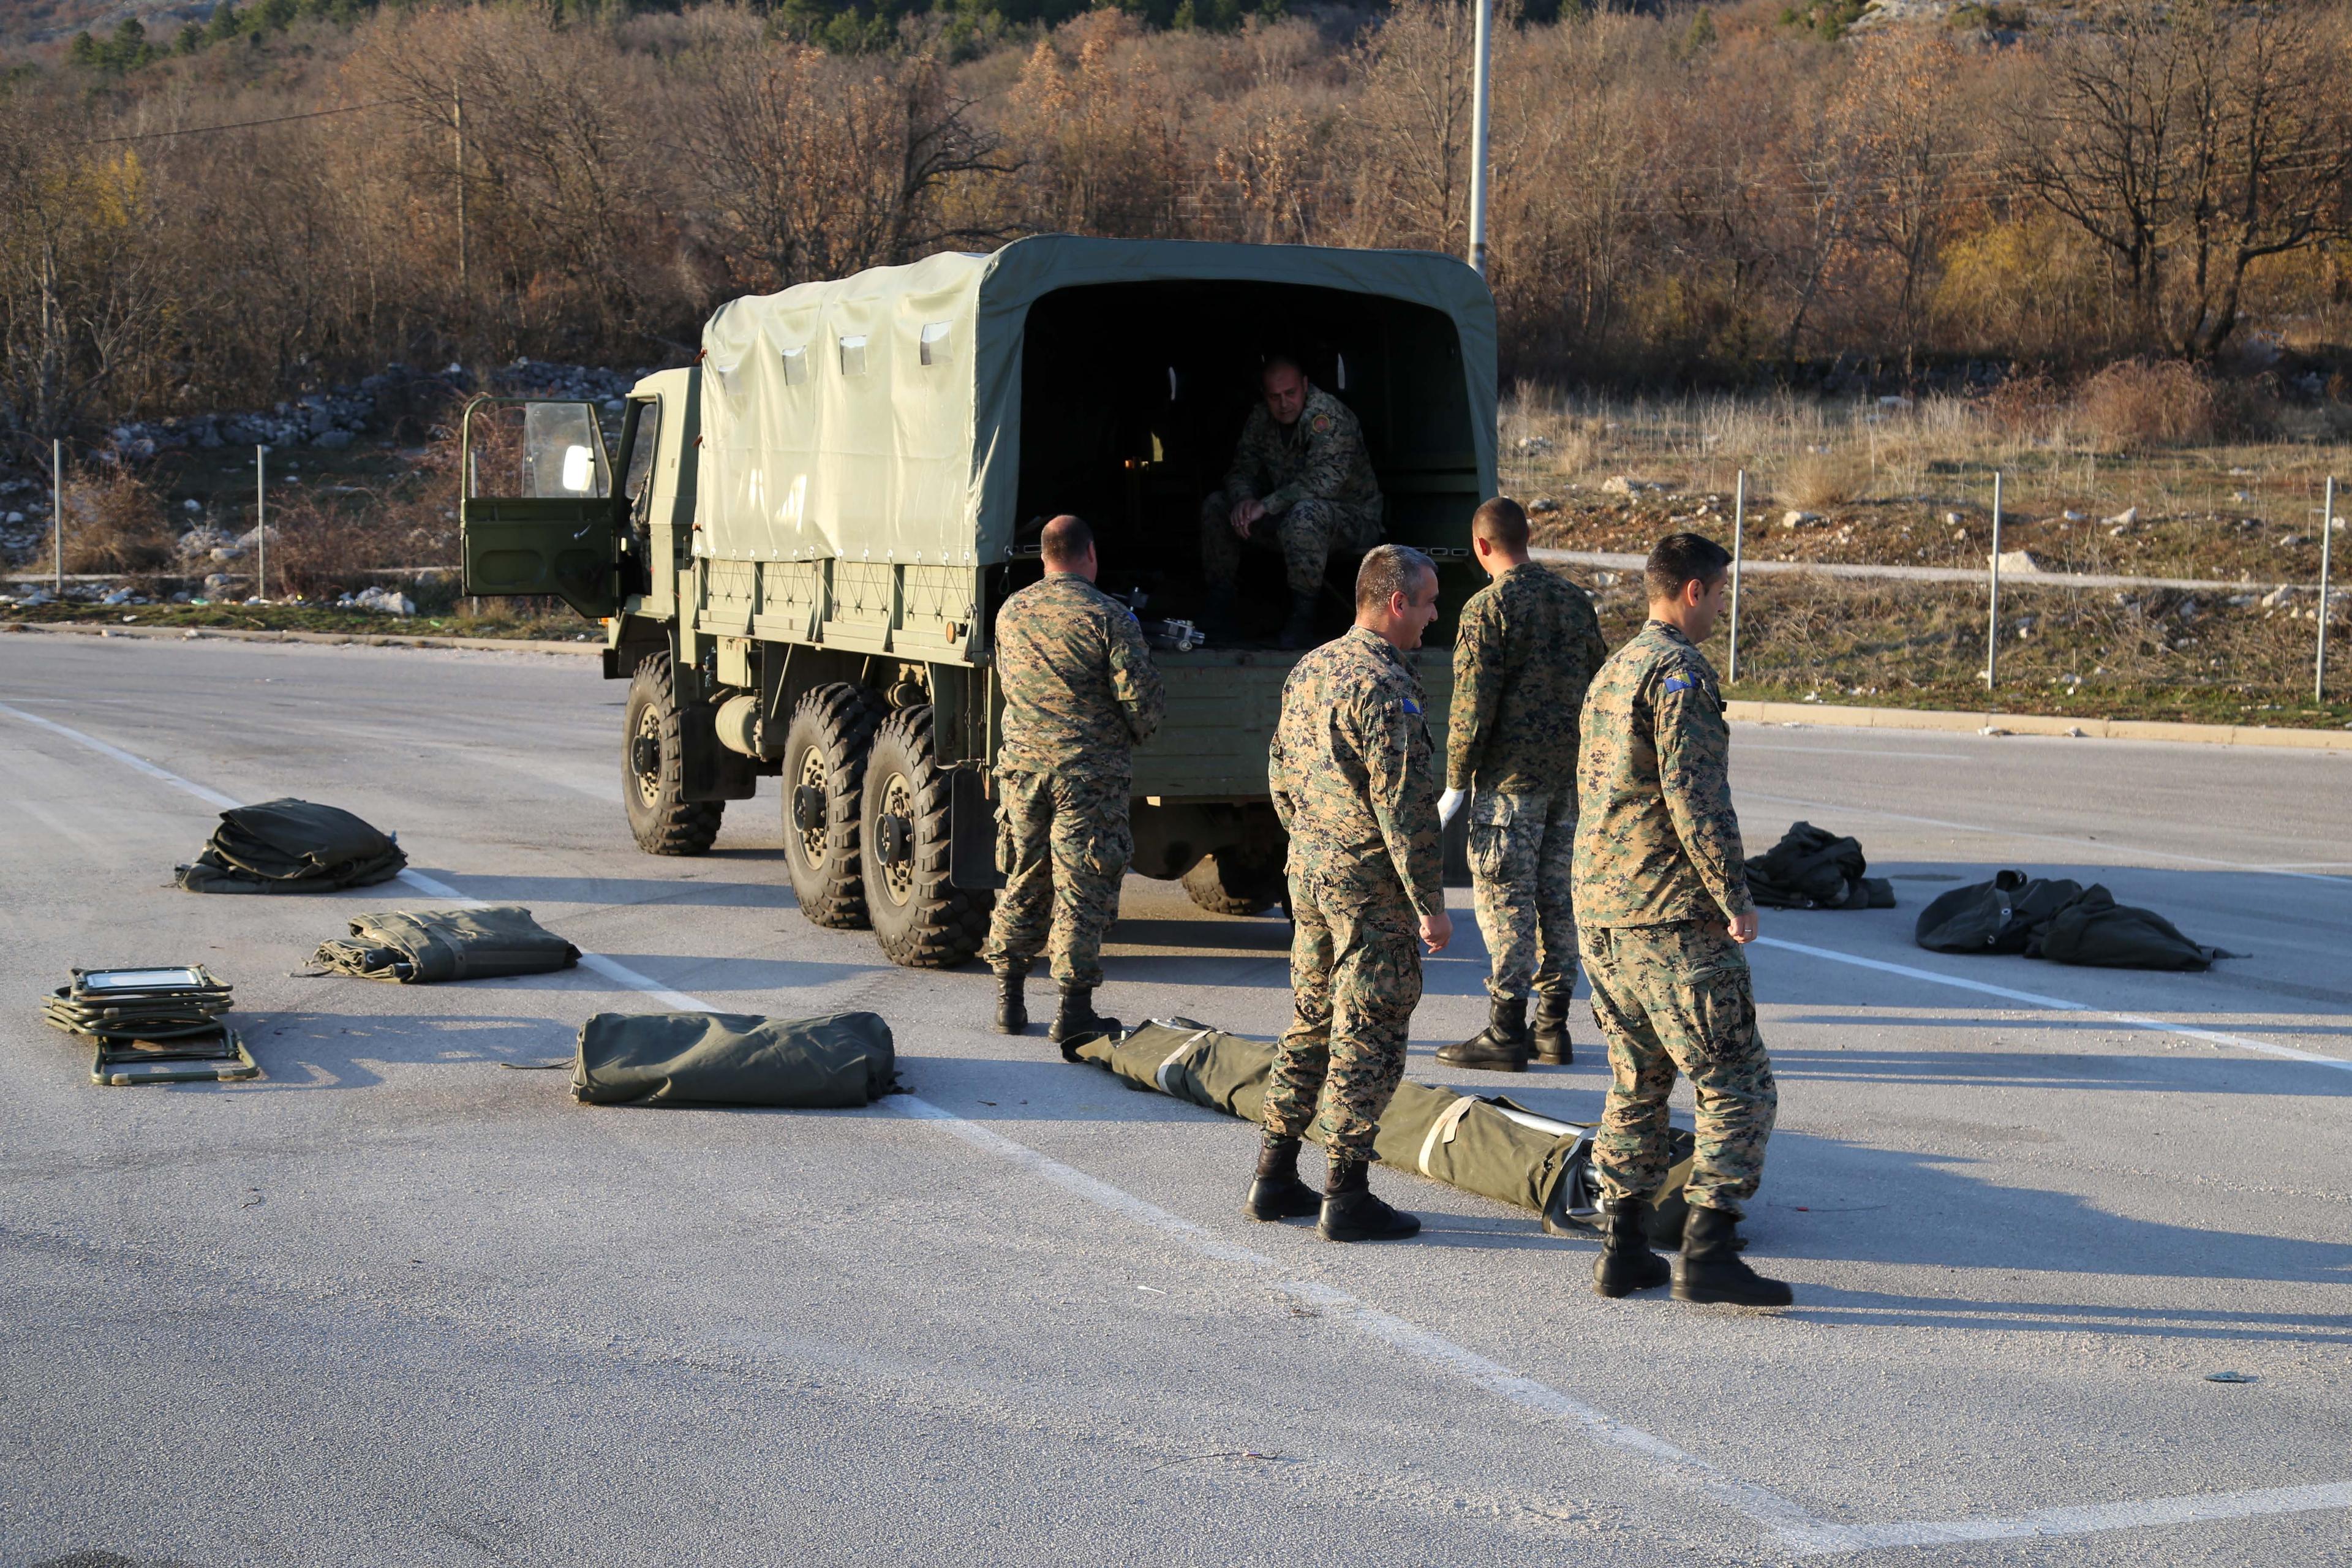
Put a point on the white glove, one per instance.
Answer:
(1449, 805)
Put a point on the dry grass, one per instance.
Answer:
(2137, 404)
(1814, 479)
(114, 523)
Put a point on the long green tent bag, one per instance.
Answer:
(1489, 1146)
(424, 946)
(291, 846)
(835, 1062)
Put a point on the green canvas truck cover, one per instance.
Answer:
(878, 417)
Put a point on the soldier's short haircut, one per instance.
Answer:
(1277, 358)
(1502, 522)
(1681, 558)
(1066, 540)
(1390, 569)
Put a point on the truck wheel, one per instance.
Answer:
(652, 769)
(824, 780)
(920, 917)
(1230, 884)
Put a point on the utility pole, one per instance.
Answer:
(57, 512)
(457, 123)
(1478, 142)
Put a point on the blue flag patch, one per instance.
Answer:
(1679, 683)
(1412, 706)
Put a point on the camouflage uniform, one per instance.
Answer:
(1080, 691)
(1350, 775)
(1316, 482)
(1659, 871)
(1529, 645)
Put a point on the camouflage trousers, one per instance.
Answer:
(1355, 979)
(1521, 848)
(1306, 534)
(1671, 997)
(1063, 845)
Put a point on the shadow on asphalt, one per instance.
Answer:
(2169, 1074)
(619, 892)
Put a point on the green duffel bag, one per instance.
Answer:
(425, 946)
(1492, 1147)
(291, 846)
(835, 1062)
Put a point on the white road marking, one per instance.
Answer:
(140, 764)
(2035, 999)
(2086, 1519)
(2274, 869)
(1799, 1532)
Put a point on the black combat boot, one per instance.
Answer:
(1548, 1033)
(1077, 1020)
(1277, 1192)
(1626, 1263)
(1012, 1006)
(1713, 1270)
(1351, 1212)
(1500, 1046)
(1299, 631)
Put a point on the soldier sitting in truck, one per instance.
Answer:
(1300, 482)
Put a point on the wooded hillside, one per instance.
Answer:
(1717, 194)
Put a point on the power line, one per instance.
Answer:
(243, 124)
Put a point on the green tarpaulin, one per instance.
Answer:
(425, 946)
(834, 1062)
(1491, 1147)
(291, 846)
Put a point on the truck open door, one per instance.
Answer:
(537, 513)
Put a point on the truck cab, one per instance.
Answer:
(798, 545)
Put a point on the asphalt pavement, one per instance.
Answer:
(399, 1304)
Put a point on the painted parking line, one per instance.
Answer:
(1796, 1531)
(2060, 1004)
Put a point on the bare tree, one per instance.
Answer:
(2192, 141)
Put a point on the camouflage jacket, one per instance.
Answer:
(1529, 645)
(1351, 774)
(1657, 839)
(1321, 457)
(1080, 689)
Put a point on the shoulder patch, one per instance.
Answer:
(1322, 426)
(1678, 682)
(1410, 705)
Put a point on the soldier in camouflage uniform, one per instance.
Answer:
(1662, 910)
(1080, 692)
(1350, 774)
(1301, 483)
(1526, 652)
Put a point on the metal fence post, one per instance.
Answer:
(2327, 551)
(1738, 544)
(1993, 625)
(57, 509)
(260, 523)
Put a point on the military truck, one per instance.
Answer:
(814, 522)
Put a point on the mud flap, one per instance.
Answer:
(971, 834)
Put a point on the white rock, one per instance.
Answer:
(1542, 505)
(2122, 519)
(2022, 563)
(190, 505)
(1795, 519)
(2072, 516)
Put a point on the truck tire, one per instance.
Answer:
(1229, 884)
(823, 782)
(920, 917)
(652, 769)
